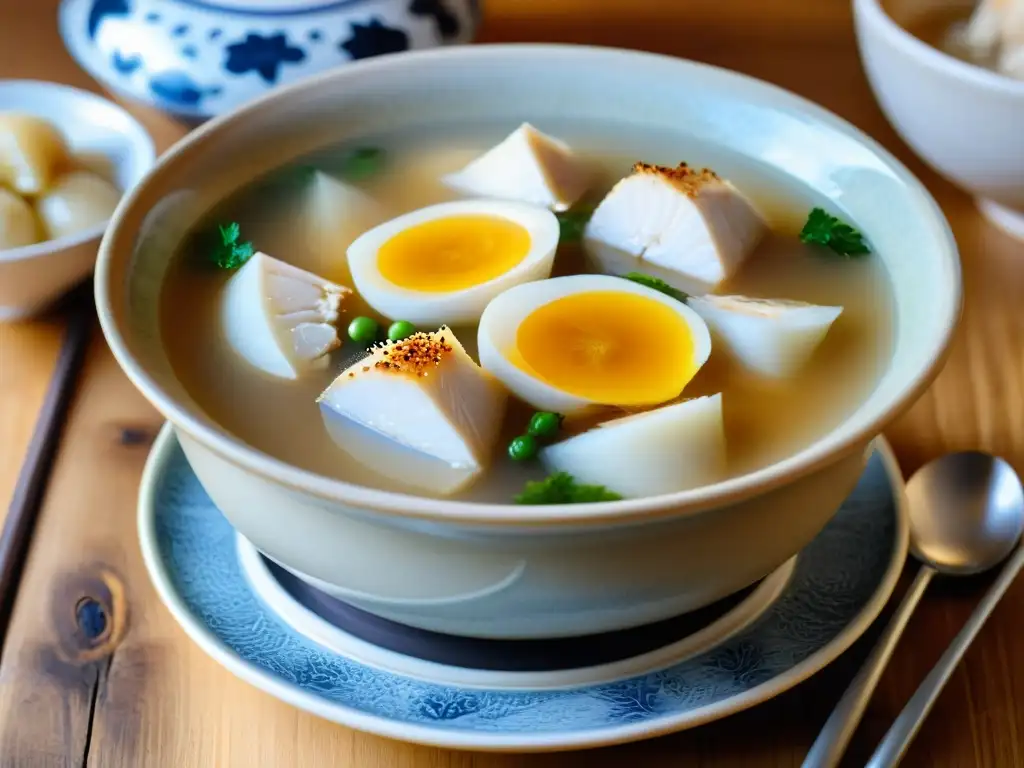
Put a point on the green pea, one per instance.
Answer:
(363, 330)
(522, 448)
(544, 424)
(401, 329)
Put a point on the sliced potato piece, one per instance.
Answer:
(665, 450)
(771, 337)
(32, 153)
(18, 224)
(77, 201)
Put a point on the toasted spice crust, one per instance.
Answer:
(684, 178)
(414, 355)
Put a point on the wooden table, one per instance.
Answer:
(149, 697)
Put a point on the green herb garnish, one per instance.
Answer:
(572, 223)
(822, 228)
(657, 284)
(362, 163)
(231, 254)
(562, 488)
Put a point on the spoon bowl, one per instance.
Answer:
(966, 512)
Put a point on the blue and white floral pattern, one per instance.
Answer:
(198, 58)
(834, 579)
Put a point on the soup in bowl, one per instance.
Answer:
(529, 341)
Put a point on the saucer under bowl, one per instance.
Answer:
(305, 648)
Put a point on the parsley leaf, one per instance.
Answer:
(657, 284)
(231, 254)
(362, 163)
(822, 228)
(561, 488)
(572, 223)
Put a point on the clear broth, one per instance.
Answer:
(764, 422)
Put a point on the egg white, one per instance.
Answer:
(460, 307)
(500, 323)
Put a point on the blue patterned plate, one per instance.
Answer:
(838, 585)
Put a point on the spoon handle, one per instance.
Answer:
(831, 743)
(903, 730)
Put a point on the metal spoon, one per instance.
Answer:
(966, 516)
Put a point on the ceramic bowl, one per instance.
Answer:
(98, 131)
(506, 571)
(966, 122)
(198, 58)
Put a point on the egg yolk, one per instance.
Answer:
(610, 347)
(453, 253)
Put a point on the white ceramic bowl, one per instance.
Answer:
(493, 570)
(965, 121)
(197, 58)
(33, 276)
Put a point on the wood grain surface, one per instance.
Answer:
(134, 692)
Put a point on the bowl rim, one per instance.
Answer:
(142, 149)
(815, 457)
(872, 12)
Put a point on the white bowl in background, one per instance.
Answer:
(34, 276)
(965, 121)
(501, 570)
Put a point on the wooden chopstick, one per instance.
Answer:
(35, 471)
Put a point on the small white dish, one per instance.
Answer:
(965, 121)
(34, 276)
(797, 621)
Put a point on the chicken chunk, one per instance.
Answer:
(279, 318)
(434, 412)
(528, 167)
(689, 227)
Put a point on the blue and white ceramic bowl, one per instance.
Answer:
(199, 58)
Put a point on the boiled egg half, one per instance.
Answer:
(444, 263)
(570, 343)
